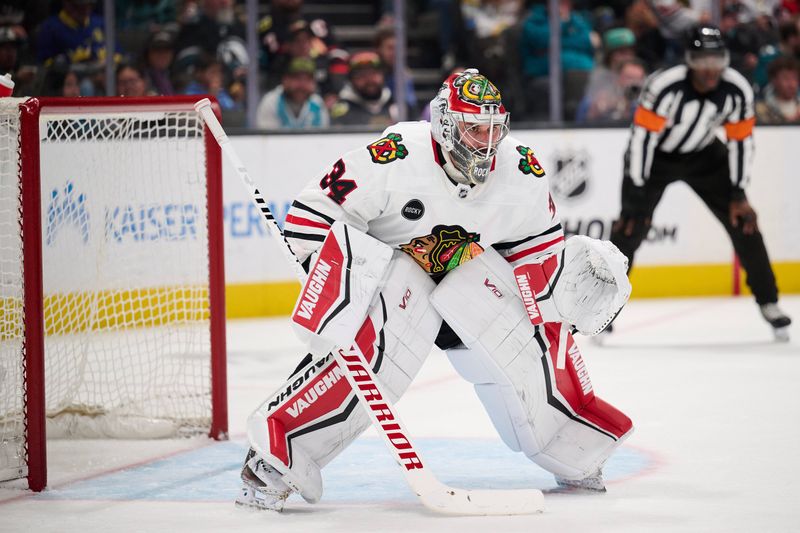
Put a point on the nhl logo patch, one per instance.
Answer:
(413, 210)
(387, 149)
(572, 174)
(529, 164)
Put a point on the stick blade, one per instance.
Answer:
(448, 500)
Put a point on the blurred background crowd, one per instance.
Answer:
(329, 63)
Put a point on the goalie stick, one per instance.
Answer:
(434, 494)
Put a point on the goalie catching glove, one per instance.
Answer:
(586, 285)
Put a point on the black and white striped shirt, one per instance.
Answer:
(673, 117)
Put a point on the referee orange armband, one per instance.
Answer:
(649, 120)
(737, 131)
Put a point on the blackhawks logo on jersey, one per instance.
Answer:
(443, 249)
(476, 89)
(529, 164)
(387, 149)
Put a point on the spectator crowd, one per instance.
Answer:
(311, 76)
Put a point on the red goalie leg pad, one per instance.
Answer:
(323, 288)
(277, 440)
(608, 417)
(318, 395)
(574, 385)
(533, 282)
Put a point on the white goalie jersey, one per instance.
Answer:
(396, 190)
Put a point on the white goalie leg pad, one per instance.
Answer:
(534, 405)
(315, 415)
(341, 283)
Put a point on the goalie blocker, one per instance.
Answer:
(538, 396)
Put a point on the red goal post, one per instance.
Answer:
(112, 312)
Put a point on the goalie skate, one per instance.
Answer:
(778, 320)
(593, 483)
(262, 486)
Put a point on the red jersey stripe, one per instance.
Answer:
(300, 221)
(519, 255)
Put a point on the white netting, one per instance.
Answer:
(125, 275)
(12, 419)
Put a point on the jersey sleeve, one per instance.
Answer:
(541, 235)
(533, 248)
(739, 131)
(350, 190)
(649, 122)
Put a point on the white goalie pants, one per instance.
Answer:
(532, 380)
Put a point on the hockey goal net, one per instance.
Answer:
(111, 275)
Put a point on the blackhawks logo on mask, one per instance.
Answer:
(443, 249)
(387, 149)
(476, 89)
(529, 164)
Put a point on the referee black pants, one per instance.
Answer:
(707, 173)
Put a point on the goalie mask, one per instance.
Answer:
(469, 121)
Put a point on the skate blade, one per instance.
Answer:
(251, 505)
(251, 499)
(563, 489)
(781, 334)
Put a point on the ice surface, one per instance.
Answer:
(715, 403)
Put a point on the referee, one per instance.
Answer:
(673, 137)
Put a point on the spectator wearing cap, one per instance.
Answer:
(365, 100)
(294, 104)
(614, 101)
(74, 36)
(300, 40)
(158, 55)
(619, 44)
(780, 100)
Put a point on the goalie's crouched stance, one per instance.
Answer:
(315, 414)
(530, 378)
